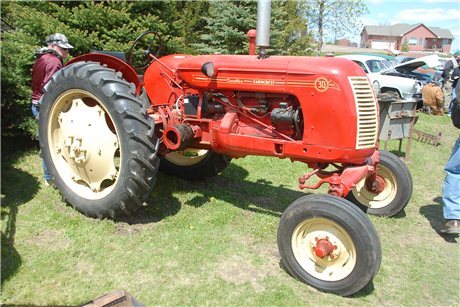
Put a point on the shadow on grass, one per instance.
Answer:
(433, 213)
(259, 197)
(18, 187)
(230, 186)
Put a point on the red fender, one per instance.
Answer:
(129, 74)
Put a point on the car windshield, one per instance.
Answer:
(376, 65)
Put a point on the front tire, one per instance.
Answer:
(97, 140)
(396, 192)
(328, 243)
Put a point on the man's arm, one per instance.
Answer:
(445, 73)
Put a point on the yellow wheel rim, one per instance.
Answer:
(377, 200)
(187, 157)
(336, 266)
(84, 145)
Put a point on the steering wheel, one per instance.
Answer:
(147, 51)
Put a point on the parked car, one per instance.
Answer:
(390, 60)
(404, 58)
(400, 79)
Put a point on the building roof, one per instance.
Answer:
(442, 33)
(400, 29)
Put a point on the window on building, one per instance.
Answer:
(445, 42)
(413, 41)
(421, 41)
(405, 40)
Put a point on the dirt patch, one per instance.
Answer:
(84, 268)
(124, 229)
(261, 262)
(239, 270)
(50, 239)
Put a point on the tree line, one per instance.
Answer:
(193, 27)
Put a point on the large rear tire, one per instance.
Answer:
(328, 243)
(97, 140)
(397, 189)
(194, 164)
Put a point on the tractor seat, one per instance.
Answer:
(118, 54)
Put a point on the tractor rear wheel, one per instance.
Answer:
(328, 243)
(396, 192)
(97, 140)
(194, 164)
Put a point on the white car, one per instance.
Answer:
(389, 79)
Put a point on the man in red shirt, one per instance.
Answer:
(48, 61)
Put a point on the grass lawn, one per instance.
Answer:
(213, 243)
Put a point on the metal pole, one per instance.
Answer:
(264, 10)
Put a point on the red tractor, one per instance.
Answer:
(105, 131)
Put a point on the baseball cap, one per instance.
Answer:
(59, 40)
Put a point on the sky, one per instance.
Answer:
(436, 13)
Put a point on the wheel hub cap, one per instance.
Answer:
(87, 144)
(323, 248)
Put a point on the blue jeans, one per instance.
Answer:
(451, 188)
(451, 105)
(46, 173)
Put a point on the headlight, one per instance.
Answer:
(417, 87)
(376, 87)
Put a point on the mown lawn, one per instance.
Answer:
(213, 243)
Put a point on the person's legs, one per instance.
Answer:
(451, 191)
(35, 110)
(46, 174)
(447, 90)
(451, 106)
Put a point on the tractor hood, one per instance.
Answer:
(430, 61)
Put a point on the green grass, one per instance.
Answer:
(214, 242)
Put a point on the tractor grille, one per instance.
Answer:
(366, 110)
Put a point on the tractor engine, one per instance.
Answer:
(277, 106)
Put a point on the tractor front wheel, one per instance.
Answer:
(97, 140)
(328, 243)
(396, 192)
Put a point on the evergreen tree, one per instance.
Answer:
(226, 27)
(103, 25)
(228, 22)
(191, 22)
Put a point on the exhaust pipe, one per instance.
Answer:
(264, 10)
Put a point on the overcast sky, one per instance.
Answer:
(436, 13)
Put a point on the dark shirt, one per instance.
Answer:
(447, 68)
(45, 66)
